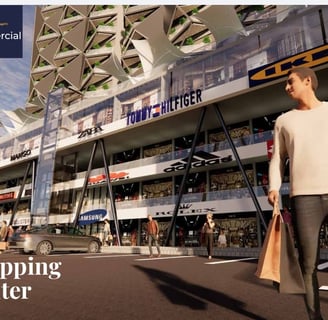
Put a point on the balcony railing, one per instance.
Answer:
(233, 194)
(223, 145)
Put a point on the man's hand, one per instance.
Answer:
(273, 197)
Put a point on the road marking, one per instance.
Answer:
(323, 266)
(109, 256)
(163, 258)
(230, 261)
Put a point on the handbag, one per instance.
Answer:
(278, 259)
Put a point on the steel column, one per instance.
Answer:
(85, 184)
(111, 194)
(20, 192)
(184, 179)
(240, 165)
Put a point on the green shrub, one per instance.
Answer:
(207, 39)
(189, 41)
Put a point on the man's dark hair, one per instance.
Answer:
(304, 72)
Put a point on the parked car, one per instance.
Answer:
(43, 241)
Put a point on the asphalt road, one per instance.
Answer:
(108, 286)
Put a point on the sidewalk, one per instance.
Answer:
(184, 251)
(194, 251)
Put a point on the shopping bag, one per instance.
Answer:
(3, 245)
(268, 266)
(291, 277)
(278, 261)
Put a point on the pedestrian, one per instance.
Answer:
(3, 230)
(208, 228)
(222, 240)
(302, 135)
(10, 232)
(106, 232)
(152, 232)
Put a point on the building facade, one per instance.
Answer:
(145, 132)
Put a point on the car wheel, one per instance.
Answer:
(93, 247)
(44, 248)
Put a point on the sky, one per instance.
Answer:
(15, 73)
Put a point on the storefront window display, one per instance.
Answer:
(158, 149)
(240, 231)
(230, 179)
(125, 156)
(163, 225)
(239, 133)
(157, 188)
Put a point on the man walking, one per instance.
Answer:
(153, 231)
(302, 135)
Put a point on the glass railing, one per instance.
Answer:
(212, 147)
(233, 194)
(271, 42)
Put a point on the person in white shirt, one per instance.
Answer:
(301, 134)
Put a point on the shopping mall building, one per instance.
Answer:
(161, 110)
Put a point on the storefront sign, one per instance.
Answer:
(276, 70)
(22, 221)
(11, 32)
(92, 216)
(114, 176)
(8, 195)
(200, 159)
(20, 155)
(89, 132)
(186, 209)
(165, 107)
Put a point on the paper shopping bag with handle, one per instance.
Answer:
(291, 278)
(278, 259)
(269, 261)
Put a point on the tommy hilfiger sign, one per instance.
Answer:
(172, 104)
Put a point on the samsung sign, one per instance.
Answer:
(172, 104)
(276, 70)
(92, 216)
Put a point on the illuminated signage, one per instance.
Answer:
(172, 104)
(11, 31)
(199, 159)
(186, 209)
(8, 195)
(92, 216)
(114, 176)
(276, 70)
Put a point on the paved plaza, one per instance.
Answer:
(133, 286)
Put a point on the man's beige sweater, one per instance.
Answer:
(301, 135)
